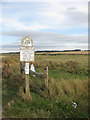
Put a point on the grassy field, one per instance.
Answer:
(68, 82)
(67, 52)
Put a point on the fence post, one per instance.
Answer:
(46, 77)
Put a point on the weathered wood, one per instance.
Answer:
(27, 89)
(27, 85)
(21, 69)
(37, 74)
(46, 77)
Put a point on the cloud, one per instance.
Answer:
(71, 8)
(53, 15)
(77, 18)
(12, 23)
(49, 41)
(31, 18)
(44, 1)
(1, 19)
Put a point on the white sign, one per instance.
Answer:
(27, 49)
(26, 68)
(27, 55)
(32, 68)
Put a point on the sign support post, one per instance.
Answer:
(26, 55)
(46, 77)
(27, 89)
(21, 69)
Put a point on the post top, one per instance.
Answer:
(27, 41)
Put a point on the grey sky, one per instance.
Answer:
(53, 25)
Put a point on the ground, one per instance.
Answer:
(68, 82)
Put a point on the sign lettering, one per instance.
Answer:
(27, 49)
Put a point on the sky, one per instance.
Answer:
(52, 24)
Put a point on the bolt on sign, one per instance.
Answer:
(27, 49)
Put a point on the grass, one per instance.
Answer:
(68, 82)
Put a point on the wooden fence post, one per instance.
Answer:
(46, 77)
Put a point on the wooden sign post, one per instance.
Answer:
(46, 76)
(21, 69)
(27, 79)
(26, 55)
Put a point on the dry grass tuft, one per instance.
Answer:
(10, 103)
(6, 70)
(68, 88)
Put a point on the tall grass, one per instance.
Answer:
(68, 88)
(68, 82)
